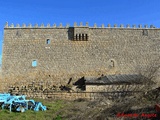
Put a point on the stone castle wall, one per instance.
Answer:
(107, 50)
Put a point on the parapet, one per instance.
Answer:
(76, 25)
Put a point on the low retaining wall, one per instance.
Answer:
(47, 90)
(77, 95)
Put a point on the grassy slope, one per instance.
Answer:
(50, 114)
(87, 110)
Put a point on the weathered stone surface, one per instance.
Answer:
(107, 51)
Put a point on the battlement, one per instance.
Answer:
(80, 26)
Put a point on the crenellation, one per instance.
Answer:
(6, 25)
(36, 25)
(108, 25)
(121, 26)
(151, 26)
(60, 25)
(67, 25)
(134, 26)
(115, 25)
(17, 25)
(87, 24)
(145, 26)
(75, 25)
(12, 25)
(102, 26)
(95, 25)
(23, 25)
(48, 25)
(54, 25)
(140, 26)
(30, 25)
(127, 26)
(81, 24)
(42, 25)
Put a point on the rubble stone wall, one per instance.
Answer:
(78, 95)
(112, 88)
(107, 51)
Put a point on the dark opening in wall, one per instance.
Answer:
(86, 37)
(79, 36)
(112, 62)
(145, 32)
(71, 33)
(34, 63)
(76, 36)
(18, 34)
(82, 37)
(48, 41)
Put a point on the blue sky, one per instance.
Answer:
(70, 11)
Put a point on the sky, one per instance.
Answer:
(70, 11)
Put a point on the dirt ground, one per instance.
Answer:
(127, 108)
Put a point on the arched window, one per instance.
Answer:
(112, 63)
(48, 41)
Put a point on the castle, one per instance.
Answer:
(73, 52)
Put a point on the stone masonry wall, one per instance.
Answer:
(107, 51)
(78, 95)
(113, 88)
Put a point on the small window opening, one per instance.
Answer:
(76, 37)
(113, 64)
(34, 63)
(86, 37)
(79, 36)
(48, 41)
(82, 36)
(145, 32)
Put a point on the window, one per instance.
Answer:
(145, 32)
(82, 37)
(48, 41)
(79, 36)
(76, 37)
(112, 63)
(34, 63)
(86, 37)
